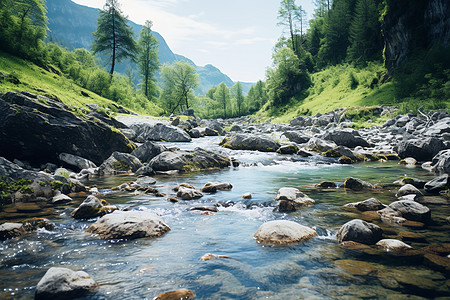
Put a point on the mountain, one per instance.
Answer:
(71, 25)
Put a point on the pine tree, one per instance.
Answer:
(148, 58)
(114, 37)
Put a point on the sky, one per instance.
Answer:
(236, 36)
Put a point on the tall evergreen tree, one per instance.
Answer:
(148, 58)
(238, 94)
(222, 95)
(113, 37)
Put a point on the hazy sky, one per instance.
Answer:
(237, 36)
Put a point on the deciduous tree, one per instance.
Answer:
(148, 58)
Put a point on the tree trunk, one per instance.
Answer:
(113, 63)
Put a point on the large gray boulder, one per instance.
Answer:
(371, 204)
(187, 161)
(148, 150)
(412, 210)
(129, 225)
(75, 161)
(63, 283)
(11, 230)
(357, 184)
(346, 137)
(320, 145)
(120, 163)
(359, 231)
(441, 161)
(283, 232)
(213, 187)
(250, 142)
(292, 199)
(186, 193)
(91, 207)
(420, 149)
(296, 137)
(37, 129)
(408, 189)
(438, 184)
(439, 128)
(160, 132)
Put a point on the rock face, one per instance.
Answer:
(186, 161)
(420, 149)
(359, 231)
(292, 199)
(282, 232)
(129, 225)
(148, 150)
(250, 142)
(63, 283)
(38, 129)
(161, 132)
(120, 163)
(412, 210)
(346, 137)
(76, 161)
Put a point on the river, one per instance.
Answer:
(317, 269)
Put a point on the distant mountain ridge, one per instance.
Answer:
(71, 25)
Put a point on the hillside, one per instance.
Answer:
(71, 25)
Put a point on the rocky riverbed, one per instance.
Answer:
(216, 209)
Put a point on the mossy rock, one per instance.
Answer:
(381, 157)
(392, 157)
(331, 153)
(345, 160)
(121, 165)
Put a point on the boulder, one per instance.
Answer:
(211, 132)
(288, 149)
(75, 161)
(160, 132)
(247, 196)
(187, 160)
(413, 181)
(194, 133)
(145, 171)
(371, 204)
(91, 207)
(283, 232)
(148, 151)
(439, 128)
(441, 161)
(393, 245)
(182, 294)
(320, 145)
(11, 230)
(63, 283)
(412, 210)
(120, 163)
(438, 184)
(326, 185)
(38, 129)
(212, 187)
(420, 149)
(357, 184)
(188, 193)
(292, 199)
(359, 231)
(236, 128)
(60, 198)
(408, 189)
(250, 142)
(129, 225)
(296, 137)
(346, 137)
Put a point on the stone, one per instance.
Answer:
(250, 142)
(437, 262)
(359, 231)
(356, 267)
(11, 230)
(188, 161)
(211, 132)
(371, 204)
(60, 198)
(319, 145)
(346, 137)
(412, 210)
(420, 149)
(247, 196)
(236, 128)
(194, 133)
(283, 232)
(357, 184)
(213, 187)
(292, 199)
(439, 128)
(129, 225)
(182, 294)
(296, 137)
(75, 161)
(188, 193)
(441, 161)
(148, 151)
(408, 189)
(37, 129)
(408, 161)
(160, 132)
(437, 184)
(393, 245)
(63, 283)
(209, 256)
(145, 170)
(288, 149)
(90, 208)
(420, 184)
(326, 185)
(120, 163)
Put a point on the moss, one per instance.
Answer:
(131, 146)
(26, 189)
(331, 153)
(445, 193)
(191, 166)
(121, 165)
(104, 202)
(381, 157)
(56, 185)
(8, 188)
(392, 157)
(345, 160)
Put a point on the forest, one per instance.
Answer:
(348, 38)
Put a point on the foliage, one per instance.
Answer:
(238, 96)
(222, 96)
(148, 61)
(9, 187)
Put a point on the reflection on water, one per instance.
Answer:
(318, 268)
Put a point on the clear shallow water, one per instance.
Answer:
(316, 269)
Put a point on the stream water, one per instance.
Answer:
(317, 269)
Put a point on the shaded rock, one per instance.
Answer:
(145, 171)
(408, 161)
(176, 122)
(292, 199)
(319, 145)
(371, 204)
(212, 187)
(129, 133)
(420, 149)
(194, 133)
(288, 149)
(359, 231)
(356, 267)
(282, 232)
(413, 181)
(188, 193)
(160, 132)
(60, 198)
(34, 224)
(441, 162)
(91, 207)
(129, 225)
(63, 283)
(247, 196)
(298, 121)
(408, 189)
(345, 160)
(148, 151)
(392, 245)
(250, 142)
(11, 230)
(326, 185)
(211, 132)
(236, 128)
(357, 184)
(437, 262)
(346, 137)
(76, 161)
(120, 163)
(182, 294)
(350, 245)
(186, 161)
(412, 210)
(38, 129)
(304, 153)
(296, 137)
(439, 128)
(438, 184)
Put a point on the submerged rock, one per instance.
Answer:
(212, 187)
(292, 199)
(250, 142)
(209, 256)
(129, 225)
(412, 210)
(326, 185)
(371, 204)
(359, 231)
(182, 294)
(357, 184)
(282, 232)
(393, 245)
(63, 283)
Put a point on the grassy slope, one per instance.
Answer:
(36, 80)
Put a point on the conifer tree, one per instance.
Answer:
(237, 88)
(148, 58)
(222, 95)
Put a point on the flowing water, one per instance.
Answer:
(317, 269)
